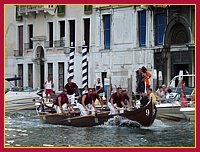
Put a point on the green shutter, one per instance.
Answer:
(61, 10)
(18, 18)
(87, 9)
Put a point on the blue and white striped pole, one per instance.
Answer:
(84, 66)
(71, 61)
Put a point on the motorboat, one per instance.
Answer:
(20, 97)
(170, 108)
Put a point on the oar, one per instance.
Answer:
(51, 114)
(168, 118)
(106, 112)
(22, 108)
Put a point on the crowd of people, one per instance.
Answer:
(86, 102)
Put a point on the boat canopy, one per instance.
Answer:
(13, 79)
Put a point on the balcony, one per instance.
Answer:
(18, 53)
(26, 9)
(59, 43)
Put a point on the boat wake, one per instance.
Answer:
(121, 121)
(157, 125)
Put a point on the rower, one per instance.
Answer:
(126, 97)
(87, 103)
(61, 102)
(116, 102)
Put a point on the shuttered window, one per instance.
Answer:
(87, 9)
(142, 28)
(18, 18)
(160, 28)
(106, 20)
(61, 10)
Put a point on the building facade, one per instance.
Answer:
(49, 39)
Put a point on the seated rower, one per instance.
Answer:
(126, 97)
(61, 102)
(144, 99)
(87, 103)
(116, 102)
(97, 97)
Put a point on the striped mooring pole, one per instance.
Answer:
(71, 61)
(84, 66)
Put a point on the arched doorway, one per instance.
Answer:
(178, 56)
(181, 57)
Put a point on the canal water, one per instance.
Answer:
(23, 129)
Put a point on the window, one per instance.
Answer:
(142, 28)
(50, 70)
(87, 33)
(20, 74)
(18, 17)
(62, 33)
(30, 75)
(160, 27)
(72, 32)
(60, 76)
(30, 35)
(61, 10)
(50, 34)
(87, 9)
(106, 21)
(20, 40)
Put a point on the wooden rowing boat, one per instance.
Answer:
(145, 116)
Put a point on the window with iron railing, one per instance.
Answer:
(28, 46)
(18, 53)
(59, 43)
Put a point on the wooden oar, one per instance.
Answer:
(168, 118)
(106, 112)
(51, 114)
(22, 108)
(68, 112)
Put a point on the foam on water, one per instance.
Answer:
(157, 124)
(120, 121)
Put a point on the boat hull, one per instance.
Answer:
(170, 111)
(189, 113)
(145, 116)
(20, 100)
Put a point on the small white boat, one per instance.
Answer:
(189, 113)
(170, 111)
(20, 97)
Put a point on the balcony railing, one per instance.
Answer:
(59, 43)
(25, 9)
(18, 53)
(28, 46)
(29, 8)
